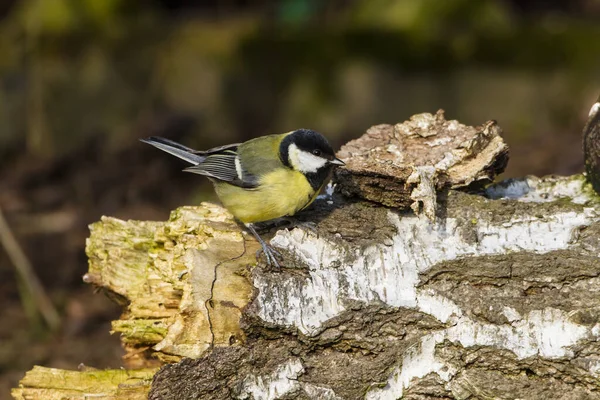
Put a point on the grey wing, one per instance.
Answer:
(174, 148)
(217, 150)
(222, 163)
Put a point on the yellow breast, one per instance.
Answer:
(280, 193)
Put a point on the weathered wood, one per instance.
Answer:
(498, 296)
(406, 164)
(55, 384)
(183, 282)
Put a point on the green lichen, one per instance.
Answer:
(55, 384)
(166, 269)
(141, 331)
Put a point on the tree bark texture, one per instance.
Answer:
(499, 298)
(406, 164)
(492, 294)
(184, 282)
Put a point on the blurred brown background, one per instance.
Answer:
(82, 80)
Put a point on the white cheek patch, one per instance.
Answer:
(594, 109)
(304, 161)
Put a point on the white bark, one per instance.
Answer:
(338, 284)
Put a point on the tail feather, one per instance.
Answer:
(174, 148)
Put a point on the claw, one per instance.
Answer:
(270, 253)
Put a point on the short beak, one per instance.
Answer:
(337, 161)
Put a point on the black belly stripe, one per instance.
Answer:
(316, 179)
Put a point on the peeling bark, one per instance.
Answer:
(500, 299)
(183, 282)
(498, 296)
(387, 163)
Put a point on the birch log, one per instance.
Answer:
(498, 299)
(407, 289)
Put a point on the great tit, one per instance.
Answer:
(264, 178)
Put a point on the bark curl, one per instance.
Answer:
(492, 294)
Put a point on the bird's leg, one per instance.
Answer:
(270, 253)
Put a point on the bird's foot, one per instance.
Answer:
(270, 254)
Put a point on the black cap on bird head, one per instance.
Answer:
(309, 152)
(312, 142)
(309, 142)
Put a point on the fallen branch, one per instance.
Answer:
(491, 294)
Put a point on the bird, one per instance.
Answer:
(264, 178)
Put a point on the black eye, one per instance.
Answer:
(317, 152)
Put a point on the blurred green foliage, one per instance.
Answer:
(427, 20)
(119, 69)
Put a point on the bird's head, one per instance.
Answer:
(308, 151)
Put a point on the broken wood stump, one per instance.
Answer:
(491, 294)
